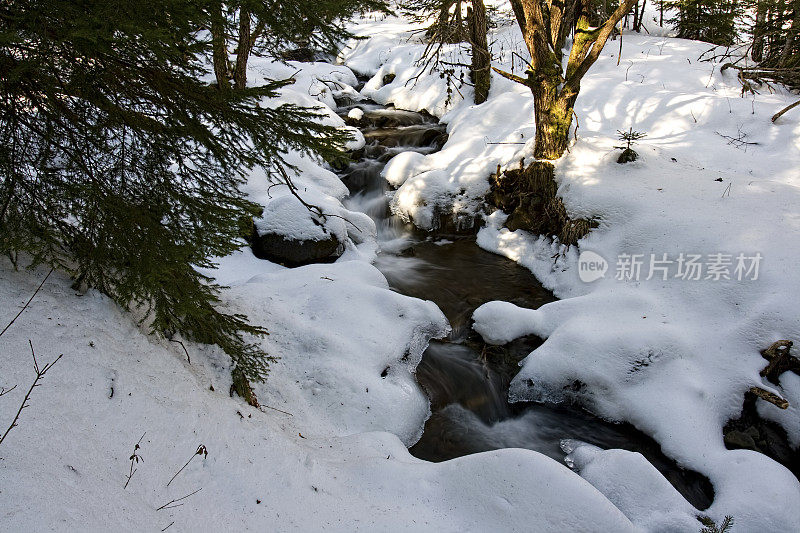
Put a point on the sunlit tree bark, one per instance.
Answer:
(545, 26)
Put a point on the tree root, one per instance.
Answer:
(529, 196)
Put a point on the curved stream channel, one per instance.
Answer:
(466, 380)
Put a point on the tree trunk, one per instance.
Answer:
(637, 17)
(553, 116)
(459, 24)
(219, 48)
(242, 50)
(792, 35)
(481, 59)
(555, 91)
(757, 52)
(444, 18)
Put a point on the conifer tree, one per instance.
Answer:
(269, 27)
(120, 167)
(706, 20)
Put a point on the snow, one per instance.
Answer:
(378, 337)
(501, 322)
(317, 456)
(356, 113)
(328, 448)
(673, 357)
(634, 486)
(316, 85)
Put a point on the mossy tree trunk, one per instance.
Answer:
(553, 117)
(545, 25)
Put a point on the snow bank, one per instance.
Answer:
(672, 356)
(309, 460)
(316, 85)
(328, 448)
(634, 485)
(358, 345)
(501, 322)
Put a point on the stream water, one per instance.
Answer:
(465, 379)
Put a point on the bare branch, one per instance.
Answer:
(27, 303)
(40, 372)
(189, 359)
(169, 504)
(512, 77)
(780, 113)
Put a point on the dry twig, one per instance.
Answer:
(169, 504)
(135, 458)
(27, 303)
(40, 372)
(201, 450)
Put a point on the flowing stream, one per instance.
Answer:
(465, 379)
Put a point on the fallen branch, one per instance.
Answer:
(780, 361)
(40, 372)
(275, 409)
(738, 141)
(780, 113)
(770, 397)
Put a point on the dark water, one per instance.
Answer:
(465, 379)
